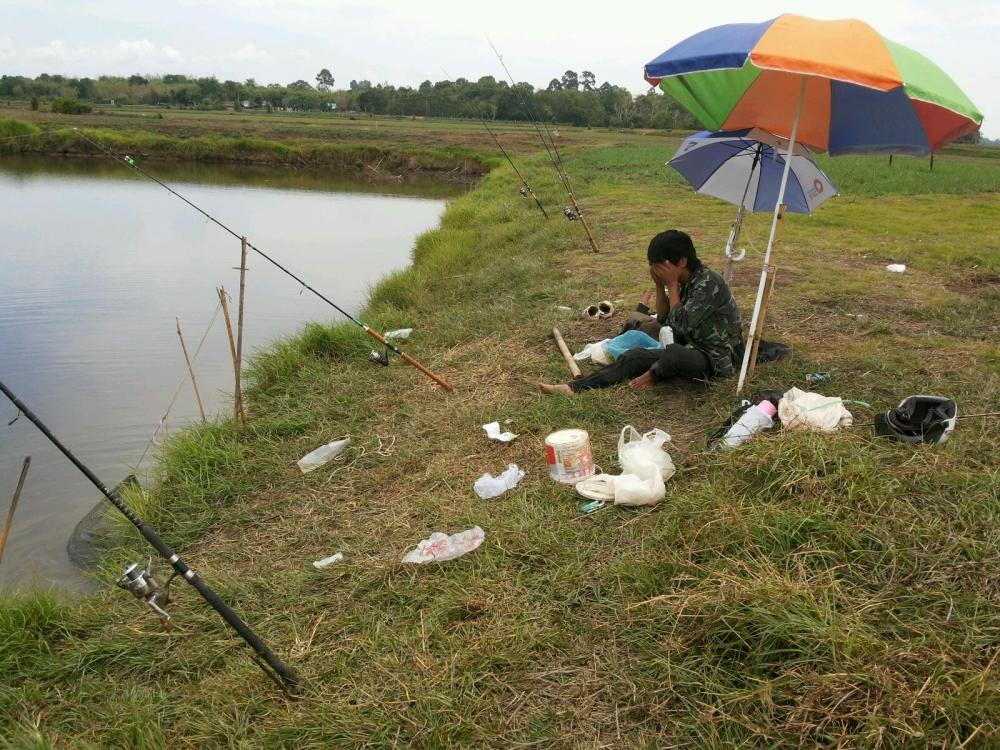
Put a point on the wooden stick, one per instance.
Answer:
(239, 324)
(194, 380)
(13, 505)
(573, 367)
(768, 286)
(238, 413)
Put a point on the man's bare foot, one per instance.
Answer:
(557, 388)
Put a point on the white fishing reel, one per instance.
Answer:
(571, 214)
(141, 584)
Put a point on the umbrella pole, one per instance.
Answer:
(757, 319)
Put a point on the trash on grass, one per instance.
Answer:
(800, 409)
(594, 352)
(818, 377)
(756, 418)
(326, 561)
(564, 308)
(638, 450)
(493, 433)
(401, 334)
(489, 486)
(321, 455)
(896, 267)
(439, 547)
(568, 454)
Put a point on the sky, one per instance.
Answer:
(403, 43)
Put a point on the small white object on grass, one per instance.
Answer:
(493, 432)
(321, 455)
(320, 564)
(401, 334)
(489, 486)
(895, 267)
(439, 547)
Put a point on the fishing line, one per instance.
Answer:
(130, 162)
(526, 187)
(576, 212)
(142, 585)
(180, 385)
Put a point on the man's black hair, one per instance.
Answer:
(673, 245)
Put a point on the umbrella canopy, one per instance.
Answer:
(745, 168)
(865, 93)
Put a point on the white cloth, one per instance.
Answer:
(805, 410)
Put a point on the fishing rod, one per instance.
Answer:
(389, 346)
(526, 190)
(575, 212)
(141, 582)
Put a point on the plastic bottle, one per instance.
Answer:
(754, 419)
(321, 455)
(666, 336)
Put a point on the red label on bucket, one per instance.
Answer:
(550, 454)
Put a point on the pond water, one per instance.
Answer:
(96, 264)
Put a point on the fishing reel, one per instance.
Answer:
(141, 584)
(379, 358)
(571, 213)
(525, 192)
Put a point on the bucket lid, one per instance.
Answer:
(567, 436)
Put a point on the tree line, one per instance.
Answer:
(572, 98)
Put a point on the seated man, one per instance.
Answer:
(697, 304)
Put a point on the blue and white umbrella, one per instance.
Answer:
(744, 167)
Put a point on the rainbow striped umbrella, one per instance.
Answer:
(836, 85)
(864, 93)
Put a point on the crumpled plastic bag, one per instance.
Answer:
(489, 486)
(635, 451)
(594, 352)
(621, 343)
(645, 467)
(493, 432)
(805, 410)
(439, 547)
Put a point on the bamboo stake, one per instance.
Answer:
(573, 367)
(768, 286)
(239, 324)
(238, 412)
(194, 380)
(13, 505)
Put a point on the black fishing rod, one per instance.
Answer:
(576, 212)
(526, 190)
(129, 162)
(144, 587)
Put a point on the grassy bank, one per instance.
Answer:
(373, 159)
(802, 591)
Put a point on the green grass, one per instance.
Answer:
(803, 591)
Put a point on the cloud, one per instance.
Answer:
(139, 52)
(6, 48)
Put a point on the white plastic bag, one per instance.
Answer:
(645, 466)
(489, 486)
(635, 451)
(594, 352)
(321, 455)
(805, 410)
(439, 547)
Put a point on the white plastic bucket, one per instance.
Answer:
(569, 456)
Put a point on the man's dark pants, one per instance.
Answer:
(675, 361)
